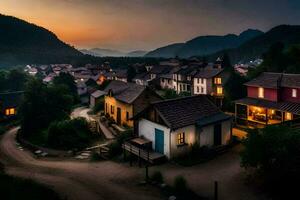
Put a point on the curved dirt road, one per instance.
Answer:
(76, 180)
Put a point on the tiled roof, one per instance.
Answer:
(208, 73)
(98, 93)
(161, 69)
(275, 80)
(181, 112)
(281, 106)
(125, 92)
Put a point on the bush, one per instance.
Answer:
(69, 134)
(157, 177)
(115, 148)
(180, 184)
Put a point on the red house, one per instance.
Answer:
(272, 98)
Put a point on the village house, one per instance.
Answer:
(96, 97)
(9, 103)
(124, 100)
(272, 98)
(172, 126)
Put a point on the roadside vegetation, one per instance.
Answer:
(45, 115)
(272, 158)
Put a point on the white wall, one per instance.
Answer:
(202, 84)
(190, 138)
(147, 130)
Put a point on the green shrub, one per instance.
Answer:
(69, 134)
(115, 148)
(180, 184)
(157, 177)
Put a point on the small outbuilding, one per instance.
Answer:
(96, 97)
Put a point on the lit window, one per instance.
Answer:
(261, 92)
(180, 138)
(10, 111)
(294, 93)
(288, 116)
(218, 81)
(219, 90)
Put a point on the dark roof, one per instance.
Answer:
(275, 80)
(142, 76)
(188, 70)
(181, 112)
(204, 121)
(208, 73)
(125, 92)
(98, 93)
(161, 69)
(11, 99)
(281, 106)
(121, 73)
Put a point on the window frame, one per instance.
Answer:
(181, 138)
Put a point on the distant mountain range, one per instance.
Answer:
(254, 48)
(23, 43)
(112, 53)
(204, 45)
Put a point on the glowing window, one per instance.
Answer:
(219, 90)
(261, 92)
(10, 111)
(288, 116)
(218, 81)
(180, 138)
(294, 93)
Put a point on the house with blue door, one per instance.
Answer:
(172, 126)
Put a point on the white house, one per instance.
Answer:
(174, 125)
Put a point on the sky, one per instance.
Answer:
(148, 24)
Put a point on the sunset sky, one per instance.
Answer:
(147, 24)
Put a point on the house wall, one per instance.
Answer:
(124, 108)
(200, 85)
(269, 94)
(286, 95)
(147, 130)
(205, 137)
(166, 83)
(190, 138)
(207, 134)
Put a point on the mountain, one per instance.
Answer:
(169, 51)
(204, 45)
(254, 48)
(138, 53)
(112, 53)
(22, 43)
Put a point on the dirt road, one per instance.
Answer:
(76, 180)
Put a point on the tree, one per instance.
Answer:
(131, 73)
(275, 154)
(67, 80)
(42, 105)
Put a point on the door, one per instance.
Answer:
(218, 134)
(159, 141)
(119, 116)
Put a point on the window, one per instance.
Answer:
(218, 81)
(112, 109)
(261, 92)
(202, 90)
(294, 93)
(288, 116)
(198, 80)
(197, 89)
(180, 138)
(10, 111)
(127, 116)
(219, 90)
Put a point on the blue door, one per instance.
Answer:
(159, 141)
